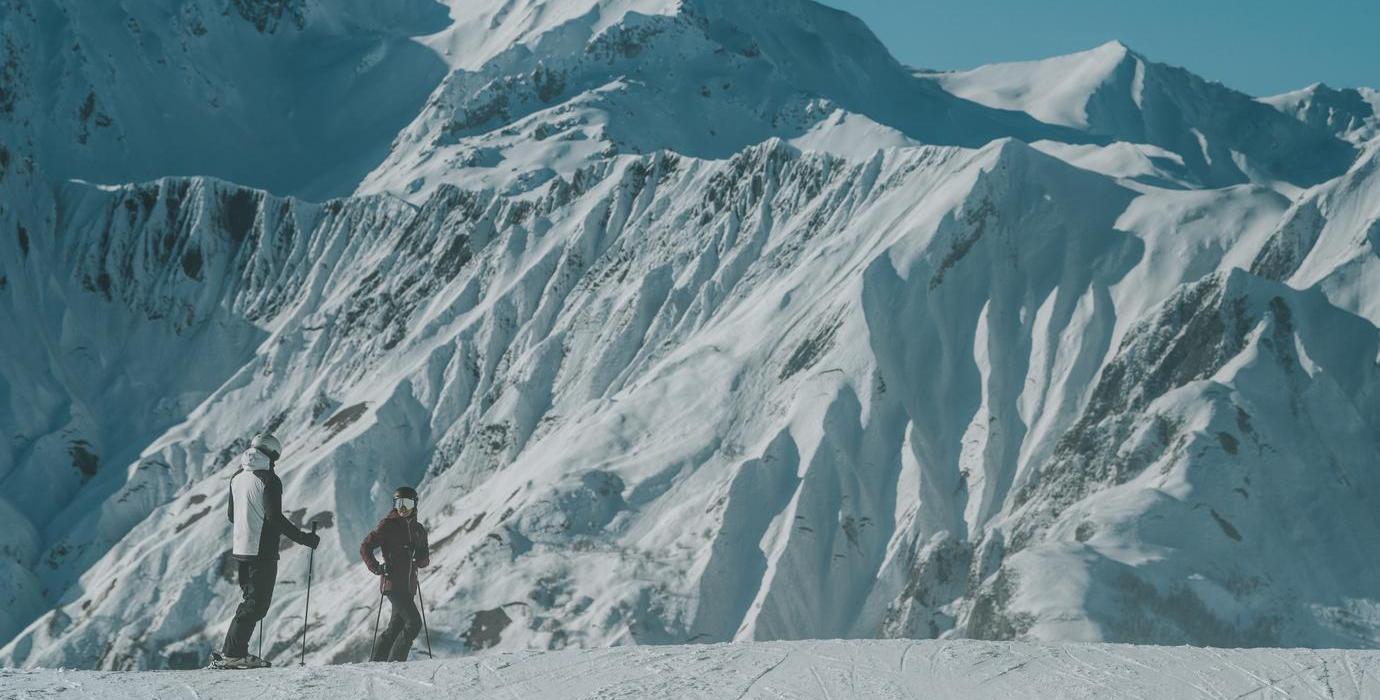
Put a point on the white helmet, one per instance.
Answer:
(266, 443)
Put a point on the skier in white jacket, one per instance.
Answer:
(256, 509)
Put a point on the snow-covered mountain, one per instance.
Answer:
(1350, 112)
(1217, 136)
(703, 79)
(692, 321)
(296, 96)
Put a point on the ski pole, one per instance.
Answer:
(261, 639)
(422, 605)
(306, 616)
(414, 578)
(373, 648)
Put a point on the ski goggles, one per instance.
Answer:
(408, 503)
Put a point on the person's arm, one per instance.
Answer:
(421, 552)
(366, 551)
(273, 508)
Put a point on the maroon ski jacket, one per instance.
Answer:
(396, 536)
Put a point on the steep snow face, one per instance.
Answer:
(299, 97)
(1350, 113)
(1199, 383)
(1222, 136)
(127, 315)
(974, 379)
(26, 215)
(1330, 239)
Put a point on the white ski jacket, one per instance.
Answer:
(256, 509)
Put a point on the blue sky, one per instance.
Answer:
(1261, 47)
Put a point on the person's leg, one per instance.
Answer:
(256, 590)
(384, 647)
(242, 625)
(266, 578)
(405, 606)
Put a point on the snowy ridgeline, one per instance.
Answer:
(691, 321)
(872, 670)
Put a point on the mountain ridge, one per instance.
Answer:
(1114, 91)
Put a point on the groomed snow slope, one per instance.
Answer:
(880, 670)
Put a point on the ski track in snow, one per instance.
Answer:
(811, 669)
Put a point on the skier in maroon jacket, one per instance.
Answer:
(403, 542)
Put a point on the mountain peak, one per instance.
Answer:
(1113, 91)
(1054, 90)
(1114, 47)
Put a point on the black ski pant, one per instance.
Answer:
(403, 625)
(256, 587)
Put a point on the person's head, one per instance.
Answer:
(267, 444)
(405, 500)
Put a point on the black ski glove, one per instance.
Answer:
(383, 570)
(313, 540)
